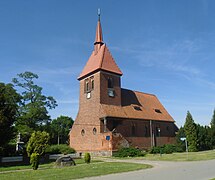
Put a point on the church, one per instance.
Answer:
(111, 117)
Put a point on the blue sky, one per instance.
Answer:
(163, 47)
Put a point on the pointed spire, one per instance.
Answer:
(99, 39)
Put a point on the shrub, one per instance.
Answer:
(129, 152)
(156, 150)
(59, 149)
(166, 149)
(34, 160)
(37, 143)
(87, 158)
(169, 148)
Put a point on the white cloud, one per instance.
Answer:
(180, 58)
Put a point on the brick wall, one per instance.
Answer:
(87, 134)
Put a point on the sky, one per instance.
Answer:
(163, 47)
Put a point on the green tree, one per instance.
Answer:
(38, 143)
(203, 138)
(60, 128)
(190, 132)
(180, 134)
(212, 130)
(36, 146)
(9, 100)
(33, 110)
(213, 119)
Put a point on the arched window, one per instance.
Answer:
(82, 132)
(94, 131)
(86, 86)
(92, 84)
(110, 82)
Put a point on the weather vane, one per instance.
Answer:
(99, 13)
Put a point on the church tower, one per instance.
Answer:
(100, 77)
(100, 83)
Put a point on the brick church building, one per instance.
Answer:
(111, 117)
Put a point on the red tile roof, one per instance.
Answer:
(137, 105)
(99, 38)
(102, 60)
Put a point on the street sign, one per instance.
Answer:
(183, 138)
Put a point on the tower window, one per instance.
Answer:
(86, 86)
(110, 87)
(110, 83)
(92, 84)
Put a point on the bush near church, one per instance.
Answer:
(36, 147)
(34, 160)
(129, 152)
(87, 158)
(166, 149)
(59, 149)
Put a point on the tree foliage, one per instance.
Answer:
(190, 132)
(203, 138)
(34, 160)
(38, 143)
(9, 100)
(33, 110)
(60, 128)
(59, 149)
(181, 134)
(212, 130)
(213, 119)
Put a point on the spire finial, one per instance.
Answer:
(98, 40)
(99, 13)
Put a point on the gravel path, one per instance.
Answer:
(164, 170)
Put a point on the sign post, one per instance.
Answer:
(185, 139)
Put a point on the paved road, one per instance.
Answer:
(198, 170)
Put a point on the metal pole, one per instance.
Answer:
(186, 147)
(151, 134)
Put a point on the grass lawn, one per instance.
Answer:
(74, 172)
(42, 166)
(192, 156)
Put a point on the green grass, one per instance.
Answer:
(192, 156)
(74, 172)
(23, 167)
(41, 166)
